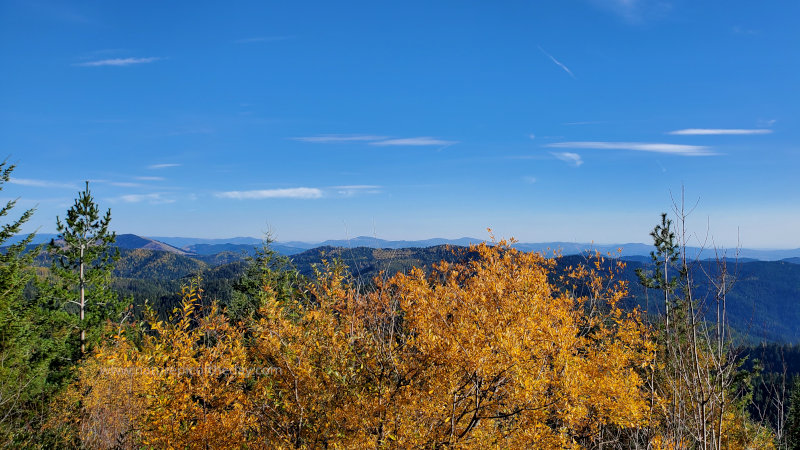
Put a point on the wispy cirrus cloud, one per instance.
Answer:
(118, 62)
(719, 131)
(149, 178)
(557, 62)
(155, 198)
(635, 11)
(163, 166)
(766, 122)
(382, 141)
(569, 157)
(414, 142)
(357, 189)
(298, 193)
(338, 138)
(655, 147)
(42, 183)
(742, 30)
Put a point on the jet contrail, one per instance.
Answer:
(566, 69)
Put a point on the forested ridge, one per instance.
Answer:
(105, 346)
(764, 305)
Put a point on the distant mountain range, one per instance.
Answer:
(126, 241)
(628, 251)
(764, 303)
(201, 246)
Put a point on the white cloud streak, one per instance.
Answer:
(150, 178)
(381, 141)
(162, 166)
(150, 198)
(570, 158)
(636, 11)
(357, 189)
(766, 122)
(559, 63)
(299, 193)
(414, 142)
(337, 138)
(41, 183)
(739, 30)
(118, 62)
(718, 131)
(625, 8)
(672, 149)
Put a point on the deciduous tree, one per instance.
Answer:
(703, 395)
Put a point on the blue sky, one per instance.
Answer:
(545, 120)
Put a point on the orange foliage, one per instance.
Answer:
(494, 352)
(481, 353)
(183, 386)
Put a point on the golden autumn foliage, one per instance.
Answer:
(491, 353)
(182, 386)
(499, 351)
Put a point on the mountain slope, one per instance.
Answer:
(365, 263)
(132, 241)
(182, 242)
(249, 249)
(155, 264)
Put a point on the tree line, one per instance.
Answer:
(496, 350)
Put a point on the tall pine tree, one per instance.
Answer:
(83, 264)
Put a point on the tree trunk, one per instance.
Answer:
(82, 303)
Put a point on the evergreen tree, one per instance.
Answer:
(22, 367)
(664, 257)
(267, 270)
(793, 422)
(83, 263)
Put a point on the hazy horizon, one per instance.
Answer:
(708, 246)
